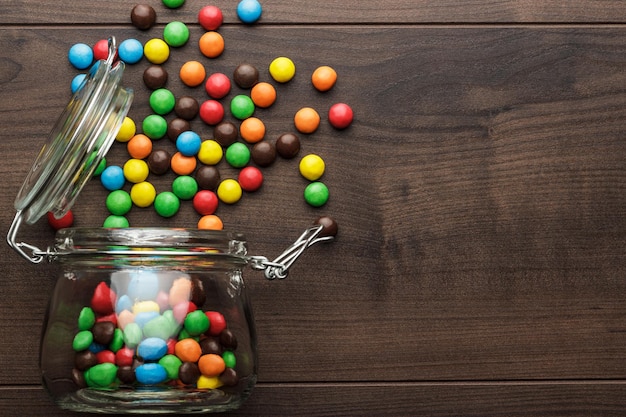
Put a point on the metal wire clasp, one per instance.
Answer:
(34, 254)
(279, 267)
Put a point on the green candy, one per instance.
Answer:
(118, 341)
(158, 327)
(175, 34)
(238, 155)
(229, 359)
(101, 375)
(115, 222)
(101, 166)
(196, 323)
(82, 340)
(154, 126)
(316, 194)
(184, 334)
(241, 106)
(185, 187)
(86, 319)
(173, 4)
(119, 202)
(162, 101)
(172, 364)
(166, 204)
(132, 335)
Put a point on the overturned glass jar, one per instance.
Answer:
(141, 320)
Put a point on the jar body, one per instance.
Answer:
(149, 321)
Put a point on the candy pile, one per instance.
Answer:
(152, 331)
(242, 143)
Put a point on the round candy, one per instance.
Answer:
(156, 51)
(188, 350)
(101, 375)
(80, 55)
(210, 17)
(86, 318)
(152, 349)
(136, 170)
(139, 147)
(118, 202)
(155, 77)
(324, 78)
(288, 145)
(208, 177)
(154, 126)
(183, 165)
(229, 191)
(316, 194)
(237, 155)
(188, 373)
(225, 133)
(112, 178)
(142, 194)
(159, 161)
(177, 126)
(186, 107)
(173, 4)
(217, 85)
(250, 178)
(130, 51)
(77, 82)
(329, 226)
(171, 364)
(340, 115)
(252, 130)
(162, 101)
(64, 221)
(246, 75)
(211, 112)
(229, 359)
(263, 153)
(127, 130)
(143, 16)
(205, 202)
(192, 73)
(263, 94)
(211, 364)
(208, 382)
(210, 152)
(282, 69)
(166, 204)
(103, 332)
(249, 11)
(185, 187)
(176, 34)
(306, 120)
(241, 106)
(188, 143)
(101, 49)
(211, 44)
(115, 222)
(196, 323)
(150, 373)
(218, 322)
(210, 222)
(312, 167)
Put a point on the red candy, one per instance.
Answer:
(63, 222)
(103, 300)
(217, 85)
(250, 178)
(218, 322)
(211, 112)
(124, 356)
(171, 346)
(105, 356)
(210, 17)
(340, 115)
(101, 49)
(205, 202)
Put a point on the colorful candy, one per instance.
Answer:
(176, 34)
(143, 16)
(324, 78)
(80, 56)
(312, 167)
(282, 69)
(340, 115)
(316, 194)
(217, 85)
(306, 120)
(156, 51)
(249, 11)
(192, 73)
(211, 44)
(130, 51)
(210, 17)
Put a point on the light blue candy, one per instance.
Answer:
(152, 349)
(123, 303)
(249, 11)
(144, 317)
(77, 82)
(130, 51)
(112, 178)
(188, 143)
(150, 374)
(143, 286)
(80, 55)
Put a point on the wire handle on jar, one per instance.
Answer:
(324, 230)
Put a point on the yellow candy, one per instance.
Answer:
(127, 130)
(146, 307)
(312, 167)
(210, 152)
(156, 51)
(136, 170)
(143, 194)
(209, 382)
(229, 191)
(282, 69)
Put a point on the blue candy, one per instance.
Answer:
(80, 55)
(77, 82)
(96, 347)
(249, 11)
(123, 303)
(112, 178)
(152, 349)
(150, 374)
(143, 286)
(130, 51)
(188, 143)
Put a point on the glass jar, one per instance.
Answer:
(141, 320)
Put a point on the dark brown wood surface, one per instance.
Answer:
(480, 192)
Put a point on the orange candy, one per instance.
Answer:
(307, 120)
(263, 94)
(183, 165)
(139, 146)
(211, 365)
(211, 44)
(210, 222)
(188, 350)
(324, 78)
(252, 130)
(192, 73)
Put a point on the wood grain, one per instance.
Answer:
(480, 195)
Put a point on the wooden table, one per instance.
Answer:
(480, 193)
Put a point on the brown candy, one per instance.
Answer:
(288, 145)
(79, 378)
(154, 77)
(229, 377)
(246, 76)
(198, 297)
(228, 339)
(85, 360)
(177, 126)
(103, 332)
(329, 226)
(188, 373)
(225, 133)
(143, 16)
(186, 107)
(126, 374)
(263, 153)
(211, 345)
(159, 161)
(208, 177)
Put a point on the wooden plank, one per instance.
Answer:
(331, 11)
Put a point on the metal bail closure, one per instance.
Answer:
(325, 230)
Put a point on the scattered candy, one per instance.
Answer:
(263, 153)
(250, 178)
(210, 152)
(119, 202)
(112, 178)
(188, 143)
(237, 155)
(130, 51)
(210, 222)
(316, 194)
(263, 94)
(101, 49)
(205, 202)
(252, 130)
(288, 145)
(155, 77)
(115, 222)
(159, 161)
(246, 75)
(217, 85)
(80, 56)
(241, 106)
(312, 167)
(139, 146)
(143, 16)
(156, 51)
(306, 120)
(136, 170)
(249, 11)
(210, 17)
(185, 187)
(340, 115)
(176, 34)
(229, 191)
(143, 194)
(225, 133)
(162, 101)
(211, 44)
(211, 112)
(192, 73)
(154, 126)
(127, 130)
(173, 4)
(324, 78)
(282, 69)
(183, 165)
(166, 204)
(186, 107)
(208, 177)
